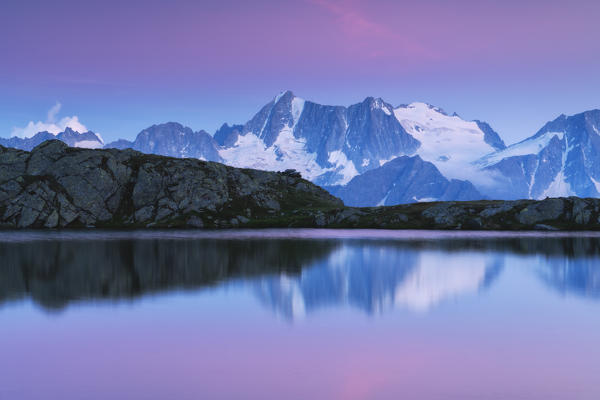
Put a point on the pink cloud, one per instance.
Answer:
(367, 33)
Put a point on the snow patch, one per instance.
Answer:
(386, 160)
(382, 201)
(596, 183)
(89, 144)
(343, 166)
(288, 152)
(249, 152)
(297, 108)
(424, 199)
(278, 97)
(379, 104)
(529, 146)
(99, 136)
(558, 188)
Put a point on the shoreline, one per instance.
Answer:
(58, 187)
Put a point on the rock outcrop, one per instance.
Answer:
(56, 186)
(570, 213)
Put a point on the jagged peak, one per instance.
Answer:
(167, 125)
(69, 130)
(378, 103)
(283, 95)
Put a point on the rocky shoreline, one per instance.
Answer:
(55, 186)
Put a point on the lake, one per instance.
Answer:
(299, 314)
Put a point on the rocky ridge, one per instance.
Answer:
(55, 186)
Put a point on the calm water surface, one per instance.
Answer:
(299, 314)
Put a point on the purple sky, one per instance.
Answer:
(121, 66)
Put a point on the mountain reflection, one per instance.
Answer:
(576, 276)
(375, 277)
(291, 276)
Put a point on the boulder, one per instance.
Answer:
(545, 210)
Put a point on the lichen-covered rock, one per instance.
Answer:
(545, 210)
(503, 208)
(445, 214)
(582, 213)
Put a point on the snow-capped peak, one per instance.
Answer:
(283, 94)
(379, 104)
(447, 141)
(423, 107)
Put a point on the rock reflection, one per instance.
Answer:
(55, 273)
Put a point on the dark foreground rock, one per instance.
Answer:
(551, 214)
(55, 186)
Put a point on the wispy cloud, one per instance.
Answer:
(378, 38)
(53, 112)
(51, 124)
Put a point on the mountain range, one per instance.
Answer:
(373, 153)
(73, 138)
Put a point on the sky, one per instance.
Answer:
(117, 67)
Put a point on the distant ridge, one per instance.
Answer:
(73, 138)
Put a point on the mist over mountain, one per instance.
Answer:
(372, 153)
